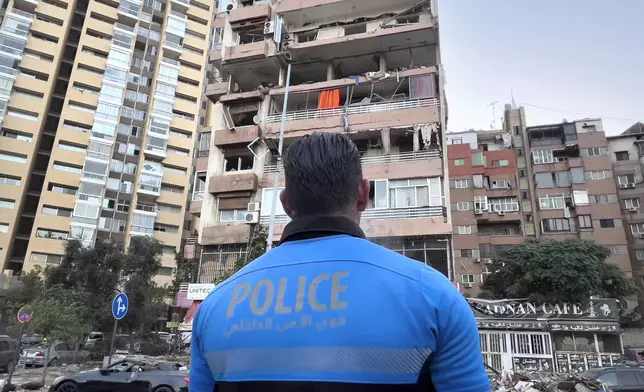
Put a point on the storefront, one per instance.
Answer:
(523, 336)
(191, 299)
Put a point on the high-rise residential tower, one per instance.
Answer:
(101, 103)
(368, 69)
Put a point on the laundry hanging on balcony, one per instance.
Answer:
(329, 99)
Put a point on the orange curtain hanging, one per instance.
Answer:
(329, 99)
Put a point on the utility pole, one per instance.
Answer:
(271, 223)
(493, 104)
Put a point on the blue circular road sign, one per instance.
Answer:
(120, 305)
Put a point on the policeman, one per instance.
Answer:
(329, 310)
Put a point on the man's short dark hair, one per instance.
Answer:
(322, 172)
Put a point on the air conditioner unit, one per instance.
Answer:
(487, 261)
(269, 28)
(478, 212)
(641, 235)
(467, 285)
(477, 260)
(501, 213)
(632, 209)
(251, 217)
(253, 207)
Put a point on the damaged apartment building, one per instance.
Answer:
(550, 181)
(369, 69)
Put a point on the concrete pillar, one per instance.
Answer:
(386, 140)
(382, 63)
(416, 140)
(282, 77)
(330, 72)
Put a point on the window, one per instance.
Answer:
(637, 228)
(621, 156)
(602, 199)
(10, 180)
(123, 205)
(459, 162)
(52, 234)
(17, 135)
(627, 378)
(11, 157)
(555, 225)
(143, 224)
(166, 228)
(464, 229)
(84, 234)
(606, 223)
(632, 203)
(467, 278)
(46, 258)
(113, 225)
(541, 157)
(480, 203)
(418, 192)
(500, 163)
(503, 204)
(478, 159)
(461, 184)
(522, 174)
(467, 253)
(62, 189)
(177, 151)
(626, 179)
(173, 209)
(457, 140)
(596, 175)
(238, 162)
(609, 378)
(6, 203)
(172, 169)
(67, 168)
(595, 151)
(519, 152)
(232, 216)
(71, 147)
(22, 114)
(554, 202)
(500, 184)
(56, 211)
(584, 222)
(4, 228)
(639, 254)
(462, 206)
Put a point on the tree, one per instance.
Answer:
(187, 271)
(29, 288)
(546, 270)
(143, 261)
(256, 248)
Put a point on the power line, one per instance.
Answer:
(578, 113)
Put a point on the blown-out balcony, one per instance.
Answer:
(359, 117)
(251, 62)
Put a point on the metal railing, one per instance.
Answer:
(8, 70)
(379, 214)
(145, 208)
(22, 13)
(379, 159)
(150, 188)
(172, 45)
(121, 25)
(361, 109)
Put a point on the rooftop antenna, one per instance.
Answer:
(514, 103)
(493, 104)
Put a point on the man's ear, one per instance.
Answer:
(285, 204)
(363, 195)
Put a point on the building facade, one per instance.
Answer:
(552, 181)
(368, 69)
(102, 112)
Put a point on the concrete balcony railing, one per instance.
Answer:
(362, 109)
(380, 159)
(241, 16)
(378, 214)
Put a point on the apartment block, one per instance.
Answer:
(104, 104)
(551, 181)
(627, 153)
(370, 70)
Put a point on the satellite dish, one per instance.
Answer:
(256, 119)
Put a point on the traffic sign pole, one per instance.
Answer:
(25, 315)
(120, 305)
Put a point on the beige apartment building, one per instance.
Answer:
(100, 104)
(370, 69)
(551, 181)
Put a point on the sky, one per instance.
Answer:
(569, 59)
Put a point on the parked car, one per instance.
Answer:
(619, 379)
(128, 376)
(60, 353)
(31, 339)
(7, 352)
(93, 338)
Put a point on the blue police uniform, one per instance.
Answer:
(330, 310)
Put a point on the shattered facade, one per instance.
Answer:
(370, 70)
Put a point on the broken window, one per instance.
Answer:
(238, 159)
(249, 36)
(355, 29)
(240, 115)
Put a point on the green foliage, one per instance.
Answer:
(61, 315)
(187, 270)
(256, 248)
(29, 288)
(143, 261)
(546, 270)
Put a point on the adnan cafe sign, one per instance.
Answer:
(595, 309)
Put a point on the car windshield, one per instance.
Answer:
(95, 335)
(590, 374)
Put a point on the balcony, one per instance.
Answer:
(241, 17)
(215, 90)
(402, 39)
(255, 61)
(234, 233)
(145, 209)
(233, 184)
(239, 135)
(195, 207)
(359, 117)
